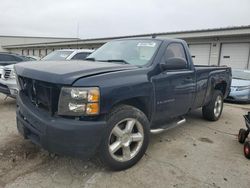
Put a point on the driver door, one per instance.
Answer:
(175, 88)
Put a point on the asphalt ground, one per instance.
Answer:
(196, 154)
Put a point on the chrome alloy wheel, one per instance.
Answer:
(218, 106)
(126, 139)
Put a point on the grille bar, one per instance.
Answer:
(6, 73)
(41, 94)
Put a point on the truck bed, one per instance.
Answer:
(208, 76)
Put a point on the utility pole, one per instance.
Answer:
(77, 34)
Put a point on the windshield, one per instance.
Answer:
(31, 58)
(25, 58)
(241, 74)
(57, 55)
(134, 52)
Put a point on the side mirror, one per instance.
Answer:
(174, 63)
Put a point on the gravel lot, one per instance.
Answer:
(196, 154)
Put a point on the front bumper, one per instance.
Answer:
(9, 87)
(237, 100)
(4, 89)
(56, 134)
(239, 96)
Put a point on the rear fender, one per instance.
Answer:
(216, 81)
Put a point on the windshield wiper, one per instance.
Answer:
(116, 60)
(90, 59)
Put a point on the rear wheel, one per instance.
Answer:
(247, 149)
(126, 138)
(242, 136)
(212, 111)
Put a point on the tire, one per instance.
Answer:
(126, 138)
(242, 136)
(247, 150)
(212, 111)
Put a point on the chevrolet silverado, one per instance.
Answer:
(110, 102)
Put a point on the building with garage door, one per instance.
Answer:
(221, 46)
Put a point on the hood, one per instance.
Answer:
(66, 72)
(9, 67)
(240, 83)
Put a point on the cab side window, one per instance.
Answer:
(175, 50)
(175, 57)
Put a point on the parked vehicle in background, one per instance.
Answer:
(240, 88)
(8, 81)
(33, 58)
(7, 77)
(109, 103)
(7, 58)
(1, 71)
(68, 54)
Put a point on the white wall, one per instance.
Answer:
(12, 40)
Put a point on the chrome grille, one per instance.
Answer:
(6, 73)
(1, 72)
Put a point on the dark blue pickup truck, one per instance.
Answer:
(109, 103)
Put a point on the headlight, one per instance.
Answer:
(241, 88)
(77, 101)
(13, 74)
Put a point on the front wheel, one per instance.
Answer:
(247, 149)
(212, 111)
(126, 138)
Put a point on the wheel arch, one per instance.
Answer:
(141, 102)
(214, 85)
(222, 86)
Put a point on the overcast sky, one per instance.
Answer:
(104, 18)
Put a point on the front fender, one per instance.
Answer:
(119, 86)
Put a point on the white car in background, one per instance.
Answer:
(68, 54)
(8, 80)
(240, 87)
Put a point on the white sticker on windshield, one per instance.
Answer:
(247, 71)
(147, 44)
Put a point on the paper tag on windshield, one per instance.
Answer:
(147, 44)
(247, 71)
